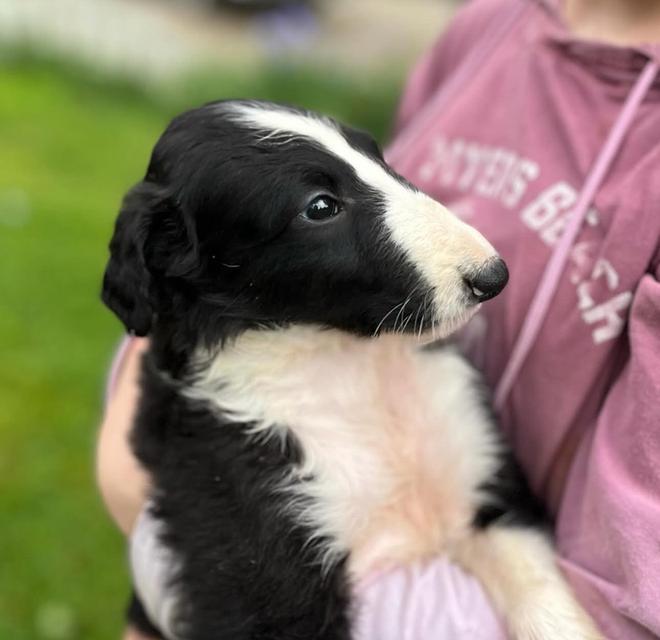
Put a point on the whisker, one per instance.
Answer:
(396, 320)
(424, 308)
(410, 315)
(417, 319)
(380, 324)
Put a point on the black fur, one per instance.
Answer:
(209, 244)
(248, 569)
(509, 499)
(184, 245)
(189, 267)
(140, 620)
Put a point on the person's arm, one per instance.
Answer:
(133, 634)
(609, 524)
(436, 600)
(122, 482)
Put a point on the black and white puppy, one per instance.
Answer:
(297, 434)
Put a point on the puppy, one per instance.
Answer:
(297, 435)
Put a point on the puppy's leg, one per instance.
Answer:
(517, 567)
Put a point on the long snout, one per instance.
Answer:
(461, 267)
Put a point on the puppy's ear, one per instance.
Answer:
(127, 280)
(363, 140)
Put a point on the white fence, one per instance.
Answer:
(156, 38)
(125, 35)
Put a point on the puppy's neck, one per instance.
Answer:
(290, 362)
(288, 347)
(258, 353)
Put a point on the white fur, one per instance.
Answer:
(439, 244)
(153, 568)
(378, 409)
(394, 449)
(518, 569)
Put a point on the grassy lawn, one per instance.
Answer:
(70, 146)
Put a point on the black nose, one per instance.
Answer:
(488, 280)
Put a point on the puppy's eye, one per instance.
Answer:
(321, 208)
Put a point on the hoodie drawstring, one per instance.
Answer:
(557, 263)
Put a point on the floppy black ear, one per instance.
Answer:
(127, 281)
(363, 140)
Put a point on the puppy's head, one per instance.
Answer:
(258, 214)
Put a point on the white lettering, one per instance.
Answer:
(604, 268)
(521, 175)
(473, 157)
(491, 172)
(495, 173)
(611, 313)
(550, 203)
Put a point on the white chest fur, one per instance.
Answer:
(395, 444)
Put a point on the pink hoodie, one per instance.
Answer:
(503, 122)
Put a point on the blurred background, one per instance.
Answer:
(86, 86)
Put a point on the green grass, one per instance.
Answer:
(70, 145)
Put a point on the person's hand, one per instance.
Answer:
(132, 634)
(122, 482)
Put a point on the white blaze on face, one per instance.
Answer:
(436, 242)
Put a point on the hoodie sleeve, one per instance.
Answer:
(431, 601)
(609, 526)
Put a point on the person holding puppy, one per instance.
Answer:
(538, 122)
